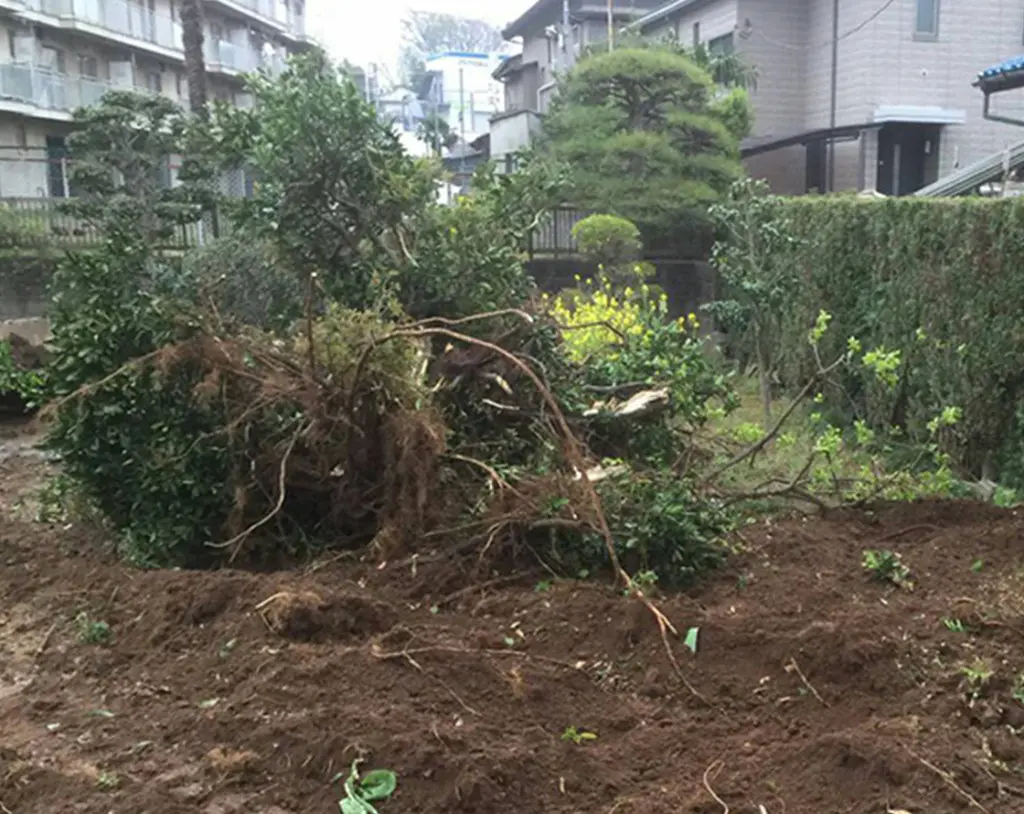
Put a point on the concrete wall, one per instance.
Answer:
(512, 131)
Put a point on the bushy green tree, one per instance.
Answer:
(123, 149)
(647, 137)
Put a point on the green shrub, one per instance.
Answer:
(241, 276)
(19, 231)
(25, 385)
(660, 524)
(608, 240)
(138, 447)
(938, 283)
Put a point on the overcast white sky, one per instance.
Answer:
(365, 31)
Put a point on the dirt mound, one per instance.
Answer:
(813, 687)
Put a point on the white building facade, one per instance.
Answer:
(465, 92)
(57, 55)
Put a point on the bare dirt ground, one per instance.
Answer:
(814, 688)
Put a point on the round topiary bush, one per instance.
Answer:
(608, 240)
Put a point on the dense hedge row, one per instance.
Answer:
(942, 281)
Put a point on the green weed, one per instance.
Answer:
(977, 674)
(107, 781)
(362, 792)
(886, 566)
(954, 625)
(578, 736)
(93, 631)
(1018, 688)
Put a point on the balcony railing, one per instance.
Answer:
(136, 22)
(30, 85)
(120, 17)
(229, 56)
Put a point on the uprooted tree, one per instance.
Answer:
(356, 363)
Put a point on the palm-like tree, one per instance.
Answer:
(195, 62)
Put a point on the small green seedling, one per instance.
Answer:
(691, 639)
(362, 792)
(578, 736)
(887, 566)
(977, 565)
(641, 582)
(107, 781)
(954, 625)
(977, 674)
(1018, 688)
(543, 586)
(92, 631)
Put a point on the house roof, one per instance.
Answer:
(1006, 75)
(522, 23)
(551, 11)
(664, 11)
(750, 147)
(508, 66)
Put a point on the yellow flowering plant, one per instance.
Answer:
(623, 337)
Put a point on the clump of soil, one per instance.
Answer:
(307, 617)
(813, 688)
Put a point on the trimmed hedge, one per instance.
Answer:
(940, 280)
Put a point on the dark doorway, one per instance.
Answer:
(908, 158)
(817, 166)
(56, 162)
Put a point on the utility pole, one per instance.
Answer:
(611, 25)
(834, 93)
(462, 121)
(568, 46)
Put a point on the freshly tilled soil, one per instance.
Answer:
(814, 689)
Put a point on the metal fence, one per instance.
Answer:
(553, 235)
(35, 182)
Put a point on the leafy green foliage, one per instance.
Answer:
(362, 791)
(93, 631)
(578, 736)
(473, 248)
(436, 134)
(27, 384)
(661, 524)
(609, 241)
(887, 566)
(138, 448)
(121, 173)
(753, 230)
(17, 231)
(936, 282)
(335, 203)
(241, 276)
(625, 339)
(646, 137)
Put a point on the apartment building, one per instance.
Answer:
(57, 55)
(860, 94)
(547, 48)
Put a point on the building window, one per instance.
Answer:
(154, 81)
(89, 67)
(926, 20)
(696, 34)
(52, 59)
(721, 46)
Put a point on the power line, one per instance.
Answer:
(859, 27)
